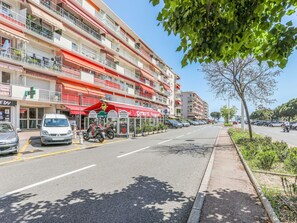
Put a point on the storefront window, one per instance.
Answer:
(30, 117)
(23, 113)
(40, 113)
(32, 113)
(23, 124)
(5, 114)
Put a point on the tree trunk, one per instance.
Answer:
(248, 118)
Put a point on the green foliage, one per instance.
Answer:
(228, 124)
(265, 159)
(286, 110)
(281, 149)
(228, 113)
(291, 160)
(215, 115)
(138, 130)
(221, 30)
(262, 114)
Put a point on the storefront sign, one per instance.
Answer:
(112, 114)
(101, 114)
(92, 114)
(7, 102)
(123, 114)
(32, 92)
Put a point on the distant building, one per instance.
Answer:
(192, 106)
(206, 110)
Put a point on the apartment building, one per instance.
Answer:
(206, 110)
(193, 107)
(61, 56)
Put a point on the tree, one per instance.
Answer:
(222, 30)
(287, 110)
(228, 113)
(243, 79)
(262, 114)
(215, 115)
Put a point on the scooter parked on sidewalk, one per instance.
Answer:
(94, 132)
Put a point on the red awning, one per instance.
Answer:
(82, 62)
(13, 32)
(75, 88)
(167, 88)
(96, 92)
(76, 110)
(178, 86)
(178, 102)
(133, 110)
(147, 89)
(148, 76)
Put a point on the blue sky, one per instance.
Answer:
(140, 15)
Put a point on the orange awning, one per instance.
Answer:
(82, 62)
(96, 92)
(167, 88)
(13, 33)
(147, 89)
(76, 88)
(76, 110)
(148, 76)
(46, 17)
(178, 86)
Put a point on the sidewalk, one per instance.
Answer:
(231, 196)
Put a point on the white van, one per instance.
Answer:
(55, 129)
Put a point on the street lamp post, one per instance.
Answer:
(80, 132)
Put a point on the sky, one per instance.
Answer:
(141, 16)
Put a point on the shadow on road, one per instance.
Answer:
(184, 149)
(232, 206)
(146, 200)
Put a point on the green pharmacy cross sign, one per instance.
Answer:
(32, 92)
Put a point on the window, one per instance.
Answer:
(129, 85)
(5, 77)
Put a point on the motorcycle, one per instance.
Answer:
(94, 132)
(109, 132)
(286, 128)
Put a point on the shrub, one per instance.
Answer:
(138, 130)
(228, 124)
(291, 160)
(281, 149)
(265, 159)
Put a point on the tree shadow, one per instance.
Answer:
(191, 149)
(145, 200)
(232, 206)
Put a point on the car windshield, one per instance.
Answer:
(56, 122)
(5, 127)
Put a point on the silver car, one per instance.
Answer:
(9, 139)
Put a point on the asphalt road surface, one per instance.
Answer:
(277, 133)
(147, 179)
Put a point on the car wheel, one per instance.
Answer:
(69, 143)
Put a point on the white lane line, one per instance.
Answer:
(179, 136)
(45, 181)
(126, 154)
(159, 143)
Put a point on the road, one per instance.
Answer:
(147, 179)
(276, 133)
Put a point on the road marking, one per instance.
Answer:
(188, 133)
(126, 154)
(55, 153)
(45, 181)
(22, 150)
(159, 143)
(179, 136)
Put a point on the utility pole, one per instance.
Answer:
(242, 116)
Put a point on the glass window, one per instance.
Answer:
(32, 124)
(5, 77)
(32, 113)
(23, 113)
(40, 113)
(23, 124)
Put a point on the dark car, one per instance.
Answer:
(173, 124)
(9, 139)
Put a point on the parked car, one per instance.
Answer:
(192, 122)
(173, 124)
(294, 126)
(184, 123)
(275, 124)
(9, 139)
(55, 129)
(235, 123)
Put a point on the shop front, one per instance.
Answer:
(7, 108)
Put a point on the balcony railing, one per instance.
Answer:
(11, 16)
(30, 25)
(71, 18)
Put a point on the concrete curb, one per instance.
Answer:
(199, 200)
(269, 210)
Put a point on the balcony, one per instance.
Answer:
(18, 92)
(40, 30)
(11, 16)
(71, 18)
